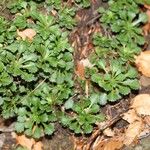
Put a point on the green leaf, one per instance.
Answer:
(49, 129)
(132, 73)
(21, 148)
(124, 90)
(28, 132)
(75, 127)
(113, 96)
(65, 120)
(19, 127)
(5, 79)
(29, 124)
(102, 64)
(94, 98)
(69, 104)
(120, 77)
(96, 78)
(94, 109)
(60, 78)
(52, 117)
(37, 132)
(27, 77)
(22, 111)
(22, 119)
(87, 128)
(133, 84)
(1, 66)
(103, 99)
(20, 21)
(44, 118)
(1, 100)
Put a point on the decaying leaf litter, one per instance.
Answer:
(128, 120)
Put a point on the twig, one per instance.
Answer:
(93, 20)
(6, 130)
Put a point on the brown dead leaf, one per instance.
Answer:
(141, 104)
(143, 63)
(29, 143)
(100, 145)
(24, 141)
(27, 33)
(148, 14)
(146, 29)
(38, 146)
(115, 144)
(131, 116)
(54, 12)
(80, 70)
(144, 133)
(147, 6)
(86, 63)
(109, 132)
(112, 144)
(132, 132)
(147, 120)
(144, 81)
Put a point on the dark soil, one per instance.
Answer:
(61, 140)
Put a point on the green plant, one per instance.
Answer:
(83, 3)
(86, 113)
(16, 6)
(36, 76)
(20, 148)
(115, 49)
(121, 23)
(114, 79)
(64, 13)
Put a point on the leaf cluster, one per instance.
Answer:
(86, 113)
(35, 76)
(113, 72)
(83, 3)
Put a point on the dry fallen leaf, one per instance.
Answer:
(28, 143)
(54, 12)
(27, 33)
(115, 144)
(112, 144)
(132, 132)
(143, 63)
(80, 70)
(86, 63)
(146, 29)
(144, 81)
(38, 146)
(109, 132)
(141, 104)
(24, 141)
(131, 116)
(147, 6)
(144, 133)
(148, 14)
(147, 120)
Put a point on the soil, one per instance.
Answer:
(63, 139)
